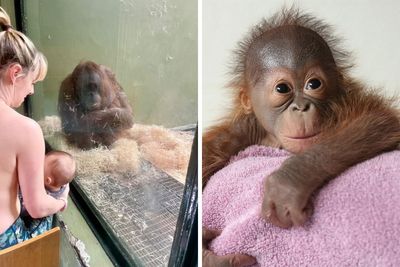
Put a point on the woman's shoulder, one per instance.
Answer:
(19, 133)
(29, 124)
(22, 124)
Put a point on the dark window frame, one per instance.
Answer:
(184, 246)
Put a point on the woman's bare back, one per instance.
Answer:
(11, 124)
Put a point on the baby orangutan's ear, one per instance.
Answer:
(245, 101)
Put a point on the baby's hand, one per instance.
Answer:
(64, 197)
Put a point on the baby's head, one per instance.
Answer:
(59, 169)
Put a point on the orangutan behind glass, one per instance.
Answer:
(93, 107)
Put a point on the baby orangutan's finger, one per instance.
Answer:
(209, 234)
(211, 260)
(237, 260)
(283, 217)
(232, 260)
(270, 213)
(300, 215)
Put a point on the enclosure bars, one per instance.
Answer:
(184, 246)
(111, 244)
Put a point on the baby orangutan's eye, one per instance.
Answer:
(313, 84)
(282, 88)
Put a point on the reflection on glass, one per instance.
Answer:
(131, 145)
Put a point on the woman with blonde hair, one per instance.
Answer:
(21, 140)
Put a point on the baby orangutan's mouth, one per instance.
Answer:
(303, 137)
(299, 143)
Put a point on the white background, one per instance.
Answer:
(370, 29)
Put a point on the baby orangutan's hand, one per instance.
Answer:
(232, 260)
(285, 201)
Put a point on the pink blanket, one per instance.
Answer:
(356, 220)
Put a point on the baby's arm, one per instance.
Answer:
(30, 165)
(62, 196)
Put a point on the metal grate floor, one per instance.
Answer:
(142, 209)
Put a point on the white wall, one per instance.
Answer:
(371, 30)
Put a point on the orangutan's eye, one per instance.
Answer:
(313, 84)
(282, 88)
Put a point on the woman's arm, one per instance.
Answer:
(30, 167)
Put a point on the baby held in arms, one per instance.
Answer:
(59, 171)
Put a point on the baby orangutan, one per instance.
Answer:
(293, 91)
